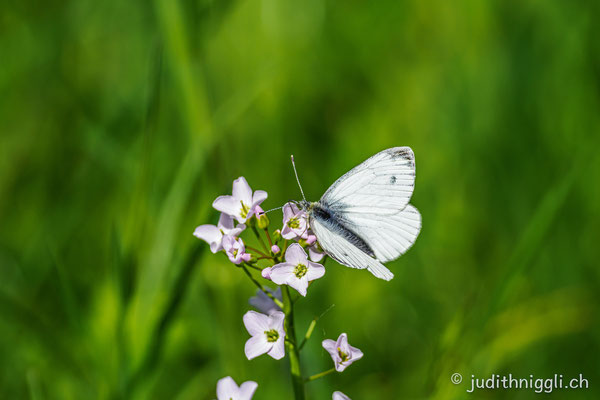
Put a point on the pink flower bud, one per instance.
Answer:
(266, 273)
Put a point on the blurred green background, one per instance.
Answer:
(121, 121)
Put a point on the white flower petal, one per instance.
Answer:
(256, 323)
(225, 222)
(237, 230)
(301, 285)
(247, 390)
(241, 191)
(256, 346)
(314, 254)
(281, 273)
(278, 350)
(331, 347)
(343, 345)
(289, 210)
(227, 389)
(266, 273)
(340, 396)
(339, 367)
(230, 206)
(315, 271)
(276, 322)
(355, 354)
(228, 243)
(295, 254)
(288, 233)
(210, 234)
(259, 197)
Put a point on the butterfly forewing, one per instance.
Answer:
(385, 181)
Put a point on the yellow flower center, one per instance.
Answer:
(343, 355)
(300, 270)
(294, 223)
(244, 210)
(272, 335)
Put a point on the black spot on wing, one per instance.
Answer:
(392, 180)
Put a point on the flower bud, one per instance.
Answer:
(277, 235)
(275, 249)
(263, 220)
(266, 273)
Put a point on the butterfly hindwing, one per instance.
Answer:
(343, 251)
(388, 235)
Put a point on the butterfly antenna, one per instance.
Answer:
(273, 209)
(297, 180)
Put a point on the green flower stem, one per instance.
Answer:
(260, 239)
(268, 237)
(254, 266)
(261, 287)
(309, 332)
(285, 246)
(291, 345)
(256, 251)
(319, 375)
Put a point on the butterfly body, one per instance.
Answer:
(364, 218)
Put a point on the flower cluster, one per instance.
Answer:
(296, 227)
(288, 257)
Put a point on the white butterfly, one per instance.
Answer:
(364, 218)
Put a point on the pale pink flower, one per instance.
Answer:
(235, 250)
(266, 273)
(268, 334)
(242, 203)
(275, 249)
(295, 222)
(340, 396)
(227, 389)
(213, 235)
(341, 352)
(297, 270)
(315, 253)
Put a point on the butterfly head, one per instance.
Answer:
(305, 205)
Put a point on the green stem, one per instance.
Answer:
(319, 375)
(291, 345)
(261, 287)
(309, 332)
(268, 237)
(260, 239)
(256, 251)
(254, 266)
